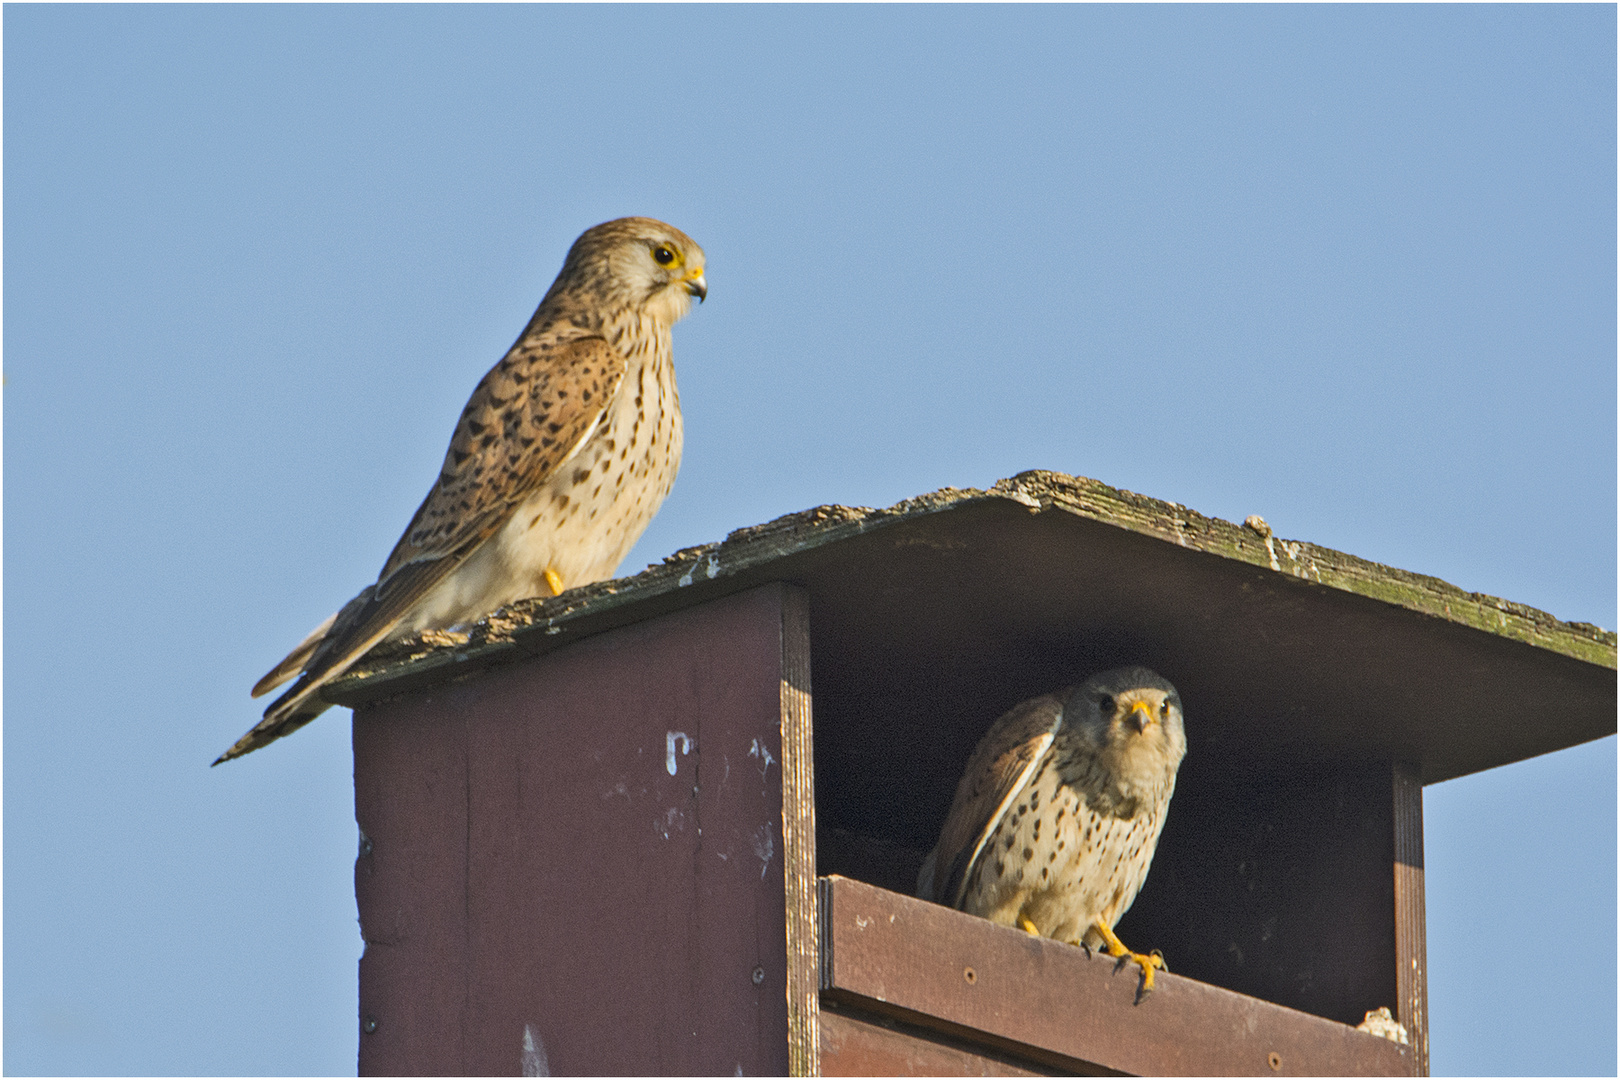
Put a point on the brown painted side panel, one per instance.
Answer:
(576, 862)
(869, 1046)
(932, 966)
(410, 800)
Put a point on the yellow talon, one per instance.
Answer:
(1028, 927)
(555, 581)
(1148, 962)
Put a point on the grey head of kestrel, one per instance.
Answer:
(561, 457)
(1059, 811)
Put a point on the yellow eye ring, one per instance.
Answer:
(664, 255)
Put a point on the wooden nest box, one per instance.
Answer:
(671, 823)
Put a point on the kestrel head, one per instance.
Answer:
(1131, 717)
(636, 262)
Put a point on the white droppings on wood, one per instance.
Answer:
(759, 751)
(534, 1054)
(764, 848)
(671, 823)
(671, 738)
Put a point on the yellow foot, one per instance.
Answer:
(555, 581)
(1148, 962)
(1028, 927)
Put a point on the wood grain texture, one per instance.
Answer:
(579, 861)
(1411, 949)
(799, 838)
(867, 1045)
(928, 965)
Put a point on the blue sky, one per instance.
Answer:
(1350, 268)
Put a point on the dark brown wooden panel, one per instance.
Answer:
(929, 965)
(576, 862)
(409, 793)
(853, 1045)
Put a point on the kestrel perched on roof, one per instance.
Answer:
(1058, 813)
(562, 456)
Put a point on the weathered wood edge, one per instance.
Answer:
(893, 955)
(1323, 566)
(799, 839)
(1411, 937)
(533, 626)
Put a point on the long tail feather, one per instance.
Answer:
(296, 660)
(361, 624)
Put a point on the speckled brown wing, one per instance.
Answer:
(999, 769)
(527, 417)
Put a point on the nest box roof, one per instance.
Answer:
(966, 601)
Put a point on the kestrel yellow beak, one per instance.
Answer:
(1141, 715)
(697, 286)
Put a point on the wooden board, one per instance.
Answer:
(1411, 937)
(799, 838)
(1016, 994)
(575, 865)
(853, 1044)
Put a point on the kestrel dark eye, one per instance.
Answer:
(1164, 708)
(1105, 703)
(663, 256)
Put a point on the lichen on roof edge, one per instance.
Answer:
(498, 635)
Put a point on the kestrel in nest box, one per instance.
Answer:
(560, 459)
(1056, 818)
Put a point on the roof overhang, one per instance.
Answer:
(958, 604)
